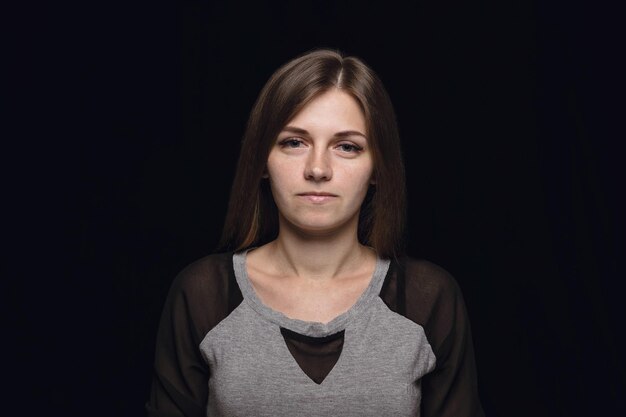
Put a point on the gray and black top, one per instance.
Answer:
(403, 349)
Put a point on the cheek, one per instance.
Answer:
(281, 176)
(359, 177)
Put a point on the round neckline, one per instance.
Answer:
(308, 328)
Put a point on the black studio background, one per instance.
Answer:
(510, 115)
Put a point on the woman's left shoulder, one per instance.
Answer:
(428, 276)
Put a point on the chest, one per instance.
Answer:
(378, 371)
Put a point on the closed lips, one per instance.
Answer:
(318, 194)
(318, 198)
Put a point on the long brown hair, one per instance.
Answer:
(252, 218)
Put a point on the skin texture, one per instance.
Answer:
(316, 269)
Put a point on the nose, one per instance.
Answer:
(318, 166)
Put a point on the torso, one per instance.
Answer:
(242, 358)
(264, 363)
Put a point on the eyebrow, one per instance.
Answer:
(343, 133)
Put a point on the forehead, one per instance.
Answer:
(333, 109)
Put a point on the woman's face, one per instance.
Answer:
(321, 165)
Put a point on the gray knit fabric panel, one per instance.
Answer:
(378, 373)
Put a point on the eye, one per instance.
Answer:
(349, 147)
(290, 143)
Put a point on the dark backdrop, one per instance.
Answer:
(510, 119)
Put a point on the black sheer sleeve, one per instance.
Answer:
(429, 296)
(200, 297)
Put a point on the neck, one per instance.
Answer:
(318, 256)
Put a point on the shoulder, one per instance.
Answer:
(205, 291)
(430, 296)
(428, 278)
(204, 274)
(208, 281)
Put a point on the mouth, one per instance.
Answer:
(319, 194)
(317, 197)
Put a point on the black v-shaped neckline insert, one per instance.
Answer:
(316, 356)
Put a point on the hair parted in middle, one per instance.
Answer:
(252, 218)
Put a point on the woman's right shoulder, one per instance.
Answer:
(205, 291)
(211, 275)
(206, 270)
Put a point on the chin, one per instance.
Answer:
(319, 226)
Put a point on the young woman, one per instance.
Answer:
(315, 311)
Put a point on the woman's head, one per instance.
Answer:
(252, 215)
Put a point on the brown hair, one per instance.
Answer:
(252, 217)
